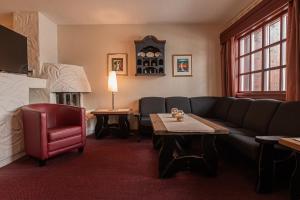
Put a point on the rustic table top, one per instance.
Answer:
(123, 111)
(292, 143)
(160, 129)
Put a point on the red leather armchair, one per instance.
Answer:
(51, 129)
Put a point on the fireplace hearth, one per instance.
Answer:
(68, 98)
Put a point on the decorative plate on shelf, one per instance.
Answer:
(150, 54)
(157, 54)
(142, 54)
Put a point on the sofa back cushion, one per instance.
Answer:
(148, 105)
(286, 120)
(182, 103)
(203, 106)
(238, 110)
(222, 107)
(259, 115)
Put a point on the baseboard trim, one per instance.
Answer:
(11, 159)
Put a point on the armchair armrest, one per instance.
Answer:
(35, 132)
(269, 140)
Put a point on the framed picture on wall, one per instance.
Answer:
(182, 65)
(117, 62)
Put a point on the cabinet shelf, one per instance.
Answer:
(154, 74)
(150, 56)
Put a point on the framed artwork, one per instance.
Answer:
(117, 62)
(182, 65)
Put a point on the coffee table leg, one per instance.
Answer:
(101, 125)
(295, 181)
(210, 156)
(166, 156)
(156, 141)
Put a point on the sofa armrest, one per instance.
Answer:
(269, 140)
(35, 132)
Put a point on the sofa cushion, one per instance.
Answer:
(222, 107)
(148, 105)
(182, 103)
(223, 123)
(286, 120)
(238, 110)
(244, 144)
(259, 115)
(203, 106)
(63, 132)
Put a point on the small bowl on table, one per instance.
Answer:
(179, 116)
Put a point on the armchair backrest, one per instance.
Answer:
(58, 114)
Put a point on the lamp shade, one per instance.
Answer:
(112, 82)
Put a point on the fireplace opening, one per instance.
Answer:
(68, 98)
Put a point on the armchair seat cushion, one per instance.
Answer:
(63, 132)
(66, 142)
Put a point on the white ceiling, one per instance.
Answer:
(130, 11)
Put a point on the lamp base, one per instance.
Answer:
(113, 101)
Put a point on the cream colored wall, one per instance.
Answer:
(88, 45)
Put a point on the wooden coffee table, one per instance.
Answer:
(295, 180)
(102, 127)
(172, 156)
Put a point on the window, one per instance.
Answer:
(262, 58)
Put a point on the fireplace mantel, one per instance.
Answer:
(14, 91)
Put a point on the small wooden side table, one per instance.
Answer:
(102, 127)
(294, 144)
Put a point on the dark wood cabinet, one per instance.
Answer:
(150, 56)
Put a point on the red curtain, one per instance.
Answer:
(293, 53)
(228, 68)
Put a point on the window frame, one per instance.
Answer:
(281, 94)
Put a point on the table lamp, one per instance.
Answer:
(112, 86)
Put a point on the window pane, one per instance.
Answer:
(274, 32)
(256, 61)
(283, 53)
(267, 35)
(274, 80)
(283, 79)
(244, 83)
(244, 45)
(245, 64)
(266, 80)
(284, 26)
(275, 56)
(256, 40)
(267, 58)
(256, 81)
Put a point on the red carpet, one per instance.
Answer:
(121, 169)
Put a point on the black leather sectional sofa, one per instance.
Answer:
(246, 118)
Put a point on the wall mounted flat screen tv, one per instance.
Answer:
(13, 52)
